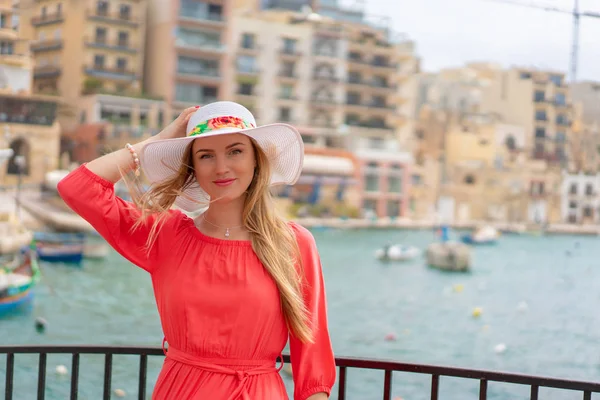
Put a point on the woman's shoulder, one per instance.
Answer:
(303, 235)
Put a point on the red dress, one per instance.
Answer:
(219, 308)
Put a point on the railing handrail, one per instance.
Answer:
(388, 366)
(348, 362)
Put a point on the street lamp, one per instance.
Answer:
(20, 163)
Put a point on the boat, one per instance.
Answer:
(397, 252)
(13, 235)
(54, 237)
(70, 253)
(448, 255)
(95, 251)
(486, 235)
(17, 280)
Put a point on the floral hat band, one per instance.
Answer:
(214, 124)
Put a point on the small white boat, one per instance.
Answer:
(13, 235)
(483, 235)
(397, 252)
(95, 250)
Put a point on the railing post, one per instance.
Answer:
(75, 376)
(435, 386)
(10, 369)
(107, 375)
(42, 376)
(587, 395)
(483, 389)
(143, 374)
(387, 385)
(534, 392)
(342, 384)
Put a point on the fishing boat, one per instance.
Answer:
(69, 253)
(13, 235)
(448, 255)
(486, 235)
(17, 280)
(62, 238)
(95, 251)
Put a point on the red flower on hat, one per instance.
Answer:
(225, 122)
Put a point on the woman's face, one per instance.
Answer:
(224, 165)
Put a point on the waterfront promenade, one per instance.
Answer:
(37, 211)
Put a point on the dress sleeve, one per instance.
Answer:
(94, 199)
(313, 364)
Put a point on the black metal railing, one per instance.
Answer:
(388, 367)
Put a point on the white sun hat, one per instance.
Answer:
(282, 143)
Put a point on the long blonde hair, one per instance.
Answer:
(273, 241)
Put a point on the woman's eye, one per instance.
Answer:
(205, 156)
(236, 151)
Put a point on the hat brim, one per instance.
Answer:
(282, 143)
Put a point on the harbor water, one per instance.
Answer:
(539, 296)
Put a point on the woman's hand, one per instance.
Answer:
(176, 129)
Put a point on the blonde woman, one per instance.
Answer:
(233, 284)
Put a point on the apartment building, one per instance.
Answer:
(587, 95)
(83, 47)
(188, 62)
(579, 198)
(28, 123)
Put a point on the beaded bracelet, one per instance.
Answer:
(136, 159)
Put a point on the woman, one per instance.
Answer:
(232, 284)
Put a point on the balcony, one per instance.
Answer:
(387, 368)
(287, 75)
(103, 72)
(47, 71)
(47, 19)
(209, 19)
(205, 47)
(8, 33)
(325, 78)
(17, 60)
(113, 18)
(46, 45)
(378, 106)
(248, 71)
(117, 45)
(211, 76)
(290, 53)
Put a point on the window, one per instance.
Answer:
(102, 7)
(587, 211)
(394, 184)
(380, 81)
(540, 115)
(3, 23)
(540, 133)
(353, 98)
(121, 64)
(354, 77)
(378, 101)
(352, 119)
(539, 96)
(372, 183)
(195, 93)
(59, 8)
(562, 119)
(44, 11)
(286, 91)
(197, 66)
(511, 143)
(287, 68)
(560, 99)
(370, 204)
(556, 79)
(125, 11)
(354, 56)
(99, 61)
(380, 61)
(246, 89)
(469, 180)
(573, 188)
(100, 35)
(572, 204)
(393, 208)
(589, 189)
(6, 48)
(246, 64)
(200, 10)
(248, 41)
(285, 114)
(123, 39)
(289, 45)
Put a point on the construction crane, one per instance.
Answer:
(577, 15)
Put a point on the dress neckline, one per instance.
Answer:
(214, 240)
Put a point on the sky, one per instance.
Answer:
(450, 33)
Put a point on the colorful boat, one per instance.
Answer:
(61, 253)
(17, 283)
(486, 235)
(62, 238)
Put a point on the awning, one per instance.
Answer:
(327, 165)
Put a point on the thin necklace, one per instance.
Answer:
(221, 227)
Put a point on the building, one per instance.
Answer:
(540, 102)
(587, 95)
(346, 86)
(28, 123)
(188, 61)
(83, 47)
(579, 198)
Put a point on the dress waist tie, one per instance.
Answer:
(259, 367)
